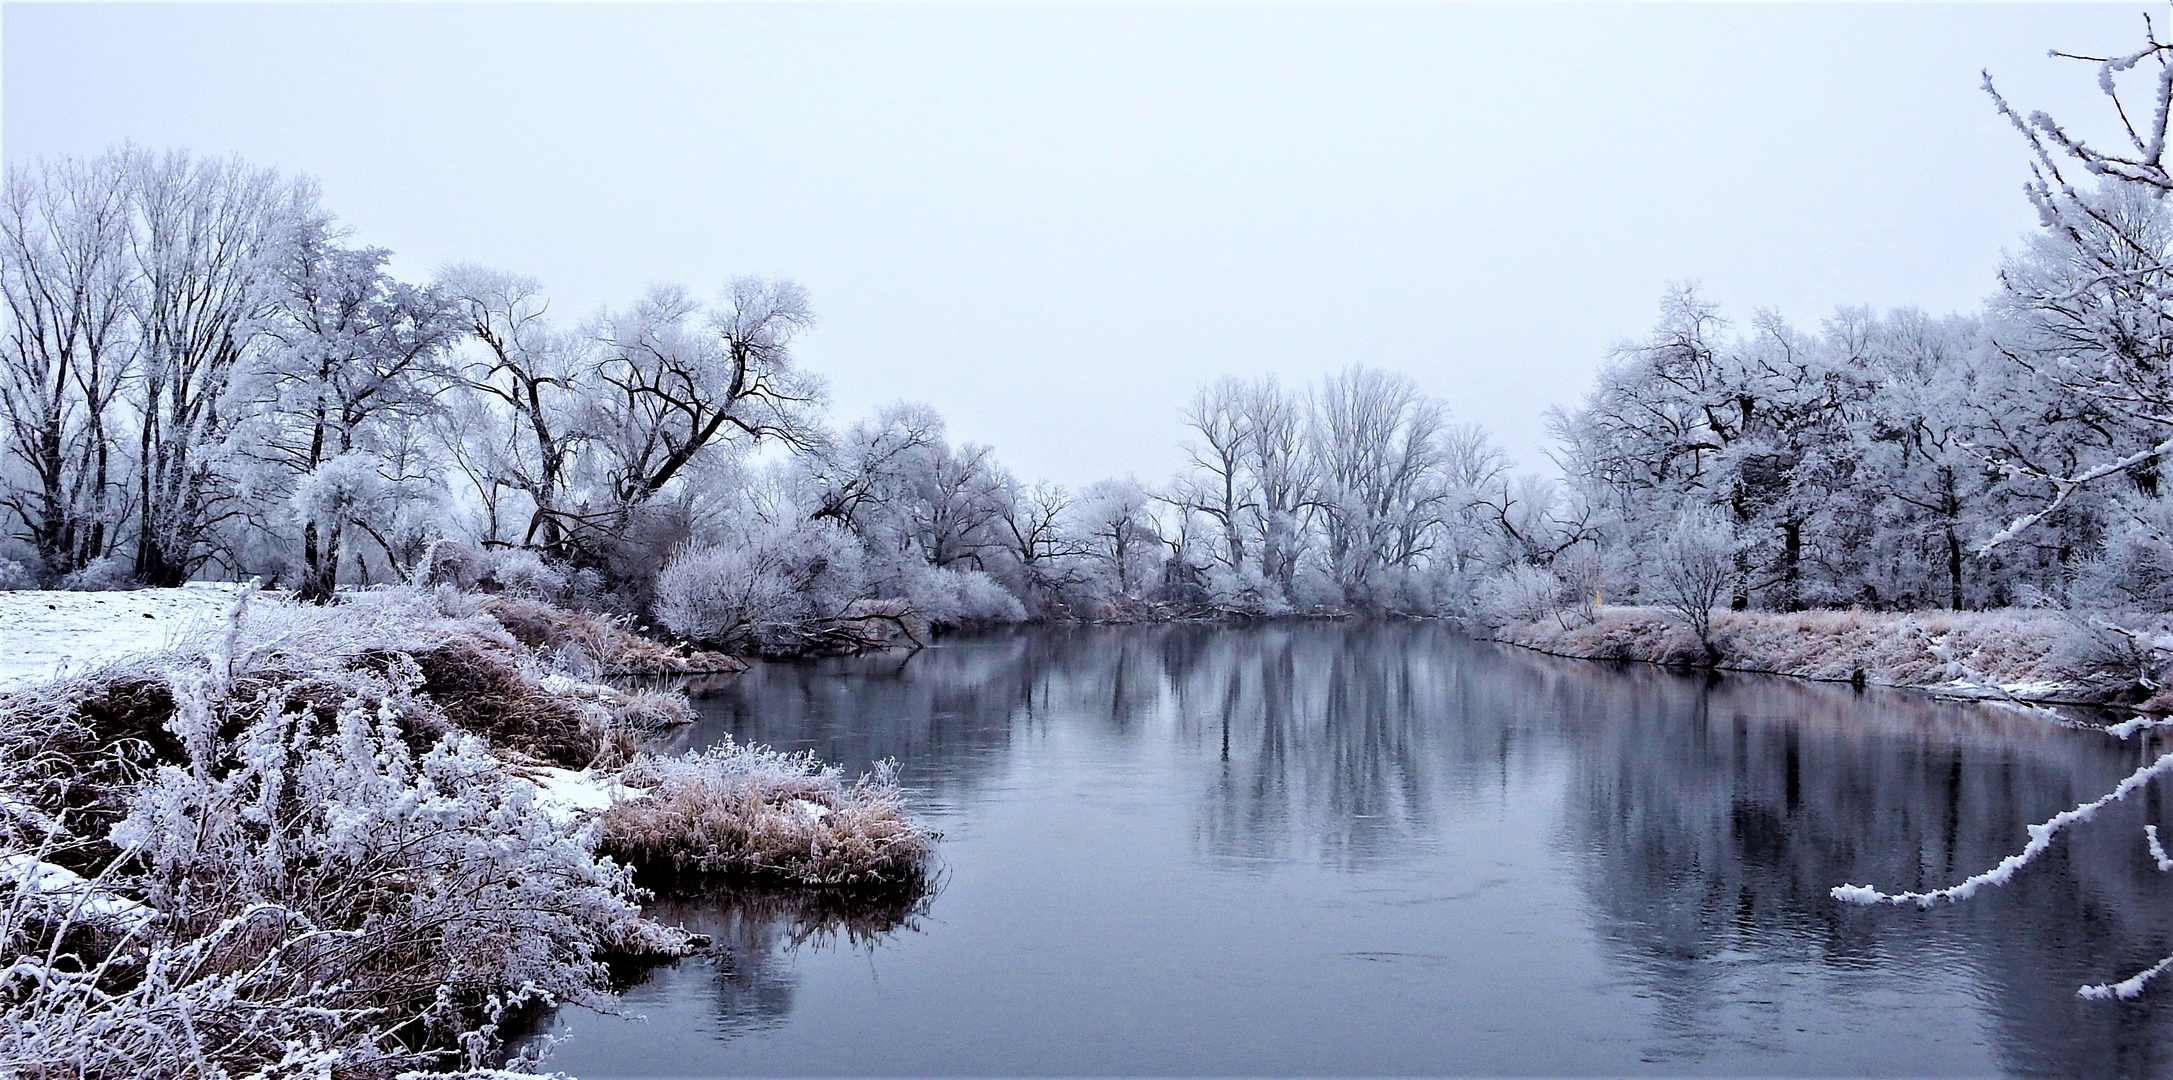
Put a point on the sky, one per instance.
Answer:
(1053, 222)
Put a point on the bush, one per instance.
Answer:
(748, 814)
(344, 884)
(16, 575)
(1520, 594)
(1244, 592)
(109, 573)
(948, 598)
(525, 574)
(773, 593)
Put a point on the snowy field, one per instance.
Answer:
(44, 633)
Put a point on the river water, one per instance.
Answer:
(1386, 849)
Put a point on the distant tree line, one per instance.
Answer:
(203, 377)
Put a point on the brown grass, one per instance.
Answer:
(488, 694)
(1915, 649)
(615, 649)
(735, 814)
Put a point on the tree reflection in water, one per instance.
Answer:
(754, 932)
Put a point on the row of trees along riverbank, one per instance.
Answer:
(204, 377)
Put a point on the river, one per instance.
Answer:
(1387, 849)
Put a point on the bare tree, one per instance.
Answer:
(536, 373)
(66, 285)
(207, 237)
(1382, 492)
(680, 378)
(1692, 568)
(1277, 456)
(871, 467)
(1033, 521)
(1216, 485)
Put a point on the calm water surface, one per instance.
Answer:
(1386, 849)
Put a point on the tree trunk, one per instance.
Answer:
(1792, 565)
(1954, 569)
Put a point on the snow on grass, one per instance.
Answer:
(64, 894)
(2028, 656)
(49, 633)
(749, 813)
(568, 794)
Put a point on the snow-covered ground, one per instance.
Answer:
(568, 794)
(44, 633)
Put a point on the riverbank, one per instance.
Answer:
(367, 834)
(2029, 656)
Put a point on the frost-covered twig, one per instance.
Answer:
(2041, 836)
(2157, 850)
(2128, 987)
(2065, 488)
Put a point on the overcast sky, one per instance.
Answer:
(1052, 222)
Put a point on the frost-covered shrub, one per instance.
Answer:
(344, 884)
(515, 572)
(16, 575)
(1691, 567)
(946, 597)
(1312, 588)
(1519, 594)
(110, 573)
(745, 813)
(457, 563)
(774, 591)
(1245, 592)
(2131, 654)
(435, 880)
(2133, 568)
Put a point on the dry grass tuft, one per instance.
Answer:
(752, 815)
(487, 694)
(613, 648)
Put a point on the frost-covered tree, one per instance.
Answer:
(676, 379)
(1692, 566)
(1043, 553)
(1114, 519)
(352, 355)
(1215, 483)
(521, 427)
(67, 286)
(1382, 493)
(209, 236)
(1277, 457)
(2087, 307)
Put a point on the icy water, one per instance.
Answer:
(1386, 849)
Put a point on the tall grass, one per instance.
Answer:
(303, 845)
(749, 814)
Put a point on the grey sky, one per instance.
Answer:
(1051, 222)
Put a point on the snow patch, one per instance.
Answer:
(63, 893)
(566, 794)
(50, 633)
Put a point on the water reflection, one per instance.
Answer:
(1420, 853)
(745, 972)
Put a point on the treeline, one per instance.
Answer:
(202, 377)
(2013, 456)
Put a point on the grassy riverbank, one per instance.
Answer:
(354, 840)
(2033, 656)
